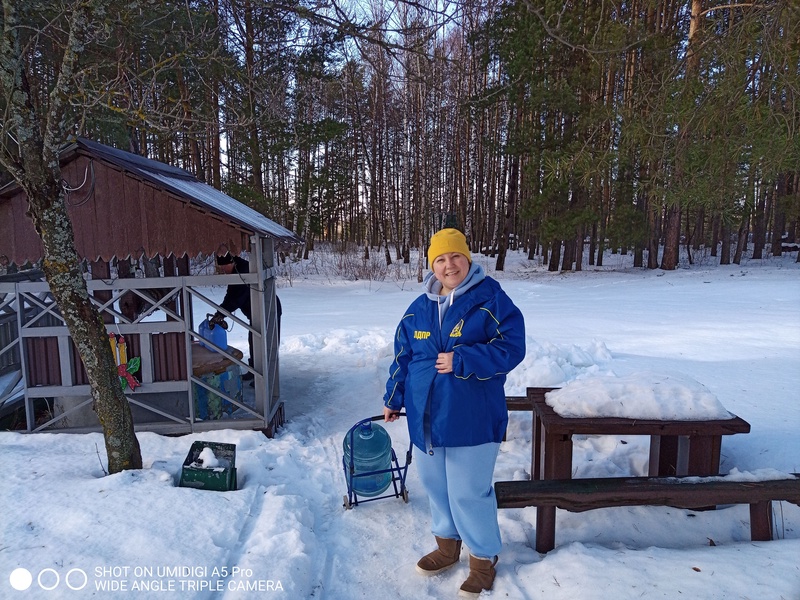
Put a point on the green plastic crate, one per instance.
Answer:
(221, 478)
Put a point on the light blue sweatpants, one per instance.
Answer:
(458, 481)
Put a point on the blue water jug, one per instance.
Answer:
(213, 333)
(372, 451)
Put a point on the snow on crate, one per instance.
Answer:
(206, 459)
(644, 395)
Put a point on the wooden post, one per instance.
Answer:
(761, 521)
(701, 456)
(557, 465)
(668, 456)
(537, 448)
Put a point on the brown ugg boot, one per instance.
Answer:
(444, 557)
(481, 577)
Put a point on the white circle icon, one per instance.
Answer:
(20, 579)
(76, 579)
(48, 579)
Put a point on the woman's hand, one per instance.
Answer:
(444, 362)
(390, 415)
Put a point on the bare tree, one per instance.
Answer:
(29, 149)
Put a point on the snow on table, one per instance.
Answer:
(645, 395)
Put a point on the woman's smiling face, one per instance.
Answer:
(450, 268)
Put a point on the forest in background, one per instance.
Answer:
(653, 127)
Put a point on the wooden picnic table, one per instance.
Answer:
(677, 447)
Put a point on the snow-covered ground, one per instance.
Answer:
(726, 338)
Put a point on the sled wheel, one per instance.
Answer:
(346, 503)
(405, 496)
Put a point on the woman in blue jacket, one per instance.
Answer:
(453, 349)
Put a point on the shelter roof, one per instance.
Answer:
(120, 203)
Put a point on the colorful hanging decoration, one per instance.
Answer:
(125, 368)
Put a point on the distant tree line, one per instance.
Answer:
(562, 128)
(639, 125)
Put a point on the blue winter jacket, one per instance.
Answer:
(467, 407)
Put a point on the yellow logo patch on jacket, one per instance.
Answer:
(422, 335)
(457, 329)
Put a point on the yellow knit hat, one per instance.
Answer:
(448, 240)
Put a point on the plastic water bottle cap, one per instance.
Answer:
(366, 431)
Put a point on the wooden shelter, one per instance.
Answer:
(137, 222)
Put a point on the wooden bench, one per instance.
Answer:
(578, 495)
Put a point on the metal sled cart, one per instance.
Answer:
(398, 472)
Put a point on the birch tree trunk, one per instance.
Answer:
(35, 166)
